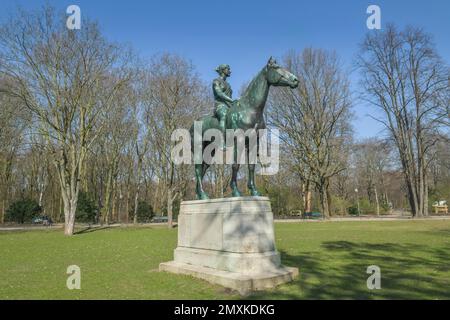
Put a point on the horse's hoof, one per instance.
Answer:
(235, 193)
(255, 193)
(202, 196)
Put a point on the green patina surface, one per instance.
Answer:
(245, 113)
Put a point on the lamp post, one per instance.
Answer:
(357, 201)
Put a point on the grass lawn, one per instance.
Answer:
(122, 263)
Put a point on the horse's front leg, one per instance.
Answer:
(199, 173)
(251, 181)
(234, 188)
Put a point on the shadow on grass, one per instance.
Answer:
(91, 229)
(338, 271)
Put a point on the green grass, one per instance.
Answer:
(122, 263)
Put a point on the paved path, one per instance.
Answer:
(334, 219)
(79, 226)
(365, 218)
(30, 228)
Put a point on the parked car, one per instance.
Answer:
(295, 213)
(312, 215)
(159, 219)
(37, 220)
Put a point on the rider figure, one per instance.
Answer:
(222, 95)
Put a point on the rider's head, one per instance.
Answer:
(223, 69)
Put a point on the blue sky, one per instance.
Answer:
(245, 33)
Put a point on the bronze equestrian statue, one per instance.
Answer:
(245, 113)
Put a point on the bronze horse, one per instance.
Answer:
(248, 113)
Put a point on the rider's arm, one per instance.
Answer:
(220, 93)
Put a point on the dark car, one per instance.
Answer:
(312, 215)
(159, 219)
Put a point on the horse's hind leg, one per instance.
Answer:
(235, 169)
(205, 167)
(251, 181)
(199, 173)
(251, 169)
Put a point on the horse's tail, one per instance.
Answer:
(191, 129)
(207, 121)
(191, 132)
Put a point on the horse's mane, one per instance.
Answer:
(252, 84)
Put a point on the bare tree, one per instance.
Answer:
(60, 75)
(13, 124)
(314, 119)
(439, 169)
(173, 97)
(372, 161)
(117, 134)
(403, 76)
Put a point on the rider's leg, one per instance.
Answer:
(222, 115)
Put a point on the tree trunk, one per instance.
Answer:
(170, 199)
(425, 195)
(328, 198)
(119, 206)
(138, 182)
(52, 208)
(412, 193)
(41, 195)
(70, 207)
(308, 199)
(376, 201)
(307, 196)
(127, 206)
(136, 203)
(106, 210)
(113, 207)
(220, 182)
(114, 210)
(324, 200)
(61, 207)
(69, 179)
(169, 208)
(2, 218)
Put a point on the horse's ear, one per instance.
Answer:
(271, 61)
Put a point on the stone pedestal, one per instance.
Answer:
(229, 241)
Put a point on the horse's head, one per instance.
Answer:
(278, 76)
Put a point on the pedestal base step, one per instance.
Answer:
(243, 283)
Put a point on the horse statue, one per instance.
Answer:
(247, 113)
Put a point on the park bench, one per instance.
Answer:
(440, 207)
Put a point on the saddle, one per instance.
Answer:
(229, 105)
